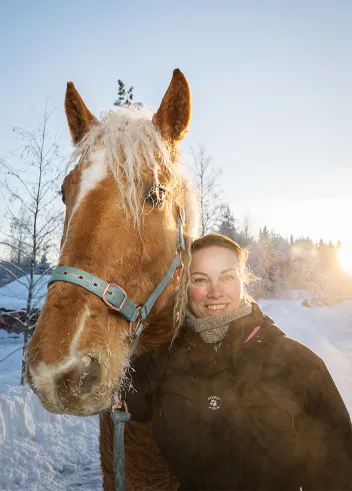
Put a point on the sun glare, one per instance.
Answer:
(345, 259)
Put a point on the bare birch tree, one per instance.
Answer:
(211, 205)
(19, 246)
(33, 216)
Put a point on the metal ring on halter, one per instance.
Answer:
(134, 325)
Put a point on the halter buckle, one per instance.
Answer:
(108, 303)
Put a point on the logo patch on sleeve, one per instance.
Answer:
(214, 402)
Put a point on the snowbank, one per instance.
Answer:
(39, 450)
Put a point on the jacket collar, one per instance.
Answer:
(206, 361)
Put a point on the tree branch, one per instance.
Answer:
(13, 275)
(8, 356)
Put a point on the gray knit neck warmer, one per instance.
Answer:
(214, 329)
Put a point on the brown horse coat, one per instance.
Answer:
(261, 415)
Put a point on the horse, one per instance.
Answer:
(123, 198)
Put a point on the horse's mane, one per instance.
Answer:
(132, 144)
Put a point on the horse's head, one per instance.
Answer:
(123, 200)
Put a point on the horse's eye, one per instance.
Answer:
(62, 192)
(156, 195)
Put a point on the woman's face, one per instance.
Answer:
(215, 287)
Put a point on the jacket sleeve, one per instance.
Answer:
(327, 435)
(143, 377)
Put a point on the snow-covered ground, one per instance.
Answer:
(41, 451)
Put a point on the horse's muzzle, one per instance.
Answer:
(77, 390)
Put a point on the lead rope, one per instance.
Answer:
(119, 419)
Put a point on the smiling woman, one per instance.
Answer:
(234, 403)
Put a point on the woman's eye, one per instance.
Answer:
(156, 196)
(229, 277)
(199, 280)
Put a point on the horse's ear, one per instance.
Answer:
(174, 114)
(79, 117)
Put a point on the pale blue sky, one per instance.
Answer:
(271, 83)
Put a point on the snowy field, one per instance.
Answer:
(40, 451)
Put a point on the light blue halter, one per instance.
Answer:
(117, 299)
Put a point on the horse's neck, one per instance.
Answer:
(158, 329)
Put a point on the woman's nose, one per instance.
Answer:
(215, 291)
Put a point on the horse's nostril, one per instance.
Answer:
(78, 381)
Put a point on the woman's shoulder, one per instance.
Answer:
(289, 347)
(298, 348)
(297, 354)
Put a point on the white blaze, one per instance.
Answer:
(92, 175)
(90, 178)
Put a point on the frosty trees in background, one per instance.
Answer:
(210, 196)
(242, 234)
(33, 216)
(282, 265)
(269, 259)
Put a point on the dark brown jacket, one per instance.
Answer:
(261, 415)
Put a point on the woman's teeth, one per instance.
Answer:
(216, 307)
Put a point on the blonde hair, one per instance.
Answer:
(219, 240)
